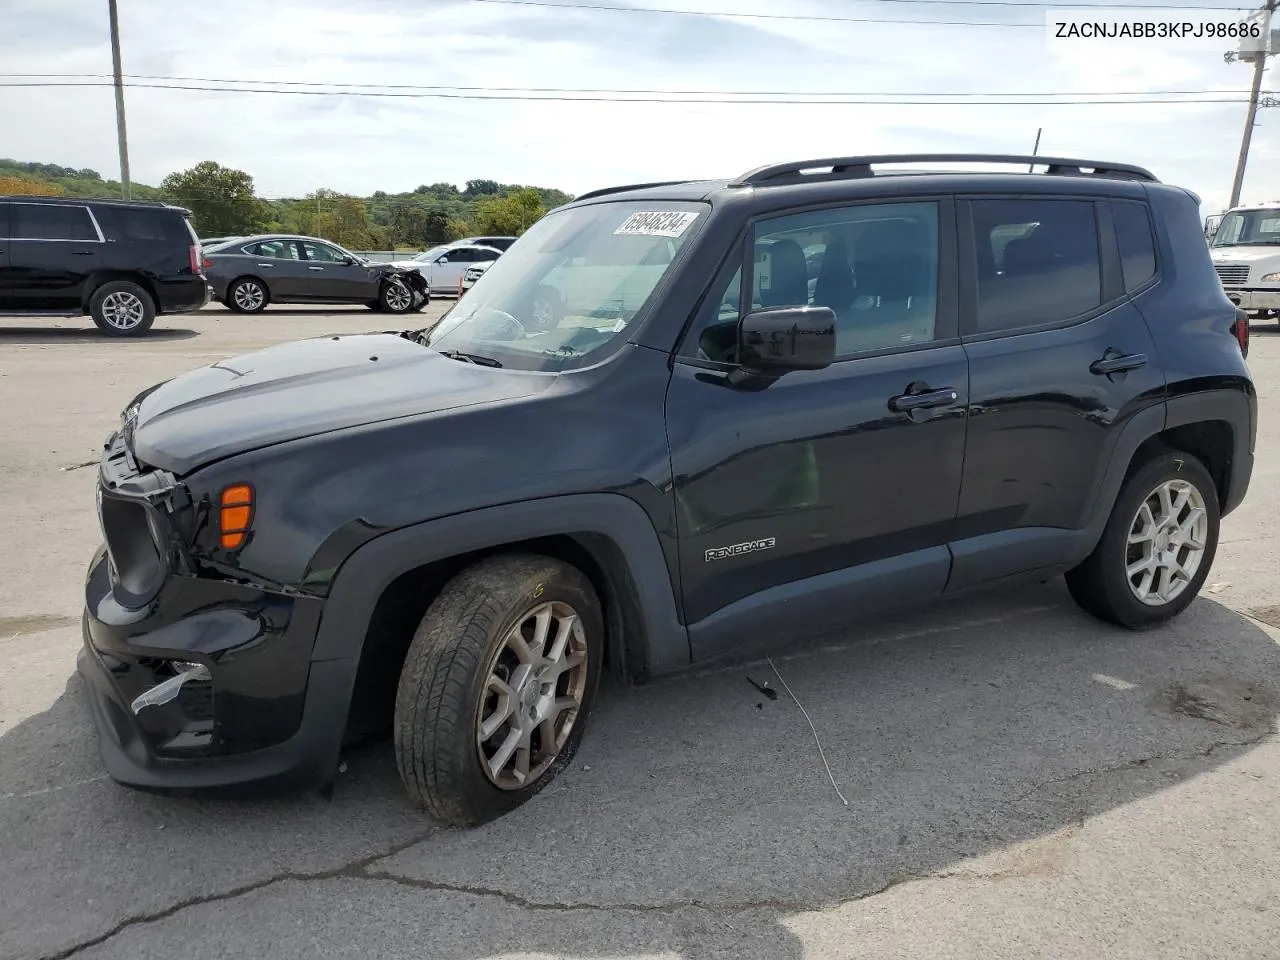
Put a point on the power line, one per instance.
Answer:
(1092, 99)
(1034, 4)
(622, 90)
(816, 18)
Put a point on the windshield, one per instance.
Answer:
(430, 254)
(566, 293)
(1247, 227)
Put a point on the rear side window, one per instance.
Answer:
(1137, 246)
(274, 250)
(141, 225)
(47, 221)
(1037, 262)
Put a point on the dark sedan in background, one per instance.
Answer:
(248, 273)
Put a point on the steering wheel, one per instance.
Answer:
(508, 323)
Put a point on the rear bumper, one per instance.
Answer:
(184, 295)
(267, 716)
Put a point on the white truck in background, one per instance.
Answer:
(1245, 248)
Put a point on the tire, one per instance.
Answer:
(122, 309)
(248, 295)
(1101, 585)
(445, 693)
(395, 296)
(546, 310)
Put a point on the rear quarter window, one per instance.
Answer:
(141, 225)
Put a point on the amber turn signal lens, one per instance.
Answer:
(236, 515)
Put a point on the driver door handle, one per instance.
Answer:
(315, 268)
(265, 266)
(907, 402)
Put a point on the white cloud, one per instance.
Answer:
(293, 144)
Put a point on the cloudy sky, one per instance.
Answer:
(292, 144)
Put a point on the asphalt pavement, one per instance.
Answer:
(1018, 780)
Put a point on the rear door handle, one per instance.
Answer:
(82, 253)
(1114, 362)
(315, 268)
(265, 266)
(944, 397)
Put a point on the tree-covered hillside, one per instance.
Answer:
(223, 201)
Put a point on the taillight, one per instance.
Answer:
(197, 264)
(235, 515)
(1241, 329)
(207, 263)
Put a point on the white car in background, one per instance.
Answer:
(443, 266)
(472, 274)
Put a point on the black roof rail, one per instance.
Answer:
(605, 191)
(837, 168)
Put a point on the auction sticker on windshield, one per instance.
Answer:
(656, 223)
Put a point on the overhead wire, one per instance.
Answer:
(724, 99)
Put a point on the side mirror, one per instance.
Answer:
(442, 260)
(781, 339)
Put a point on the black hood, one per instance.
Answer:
(305, 388)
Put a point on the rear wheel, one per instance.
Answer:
(497, 686)
(122, 309)
(1157, 547)
(247, 295)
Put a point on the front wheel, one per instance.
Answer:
(395, 296)
(497, 686)
(1157, 547)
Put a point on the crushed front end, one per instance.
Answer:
(196, 678)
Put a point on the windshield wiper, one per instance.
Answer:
(475, 358)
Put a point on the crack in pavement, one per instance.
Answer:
(1140, 762)
(363, 869)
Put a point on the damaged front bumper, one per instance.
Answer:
(196, 679)
(252, 713)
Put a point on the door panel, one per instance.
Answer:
(814, 473)
(280, 264)
(1046, 406)
(6, 278)
(445, 276)
(330, 279)
(53, 251)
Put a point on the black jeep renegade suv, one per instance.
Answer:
(672, 422)
(119, 262)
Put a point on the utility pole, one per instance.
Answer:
(121, 137)
(1259, 59)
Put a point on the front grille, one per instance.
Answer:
(137, 562)
(1233, 274)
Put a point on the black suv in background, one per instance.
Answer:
(119, 262)
(770, 406)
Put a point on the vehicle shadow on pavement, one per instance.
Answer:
(697, 814)
(41, 336)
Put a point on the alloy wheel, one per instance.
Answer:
(533, 693)
(1166, 543)
(249, 295)
(122, 310)
(398, 296)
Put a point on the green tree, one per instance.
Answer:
(221, 199)
(338, 217)
(511, 215)
(482, 188)
(458, 228)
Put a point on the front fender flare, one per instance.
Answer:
(361, 580)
